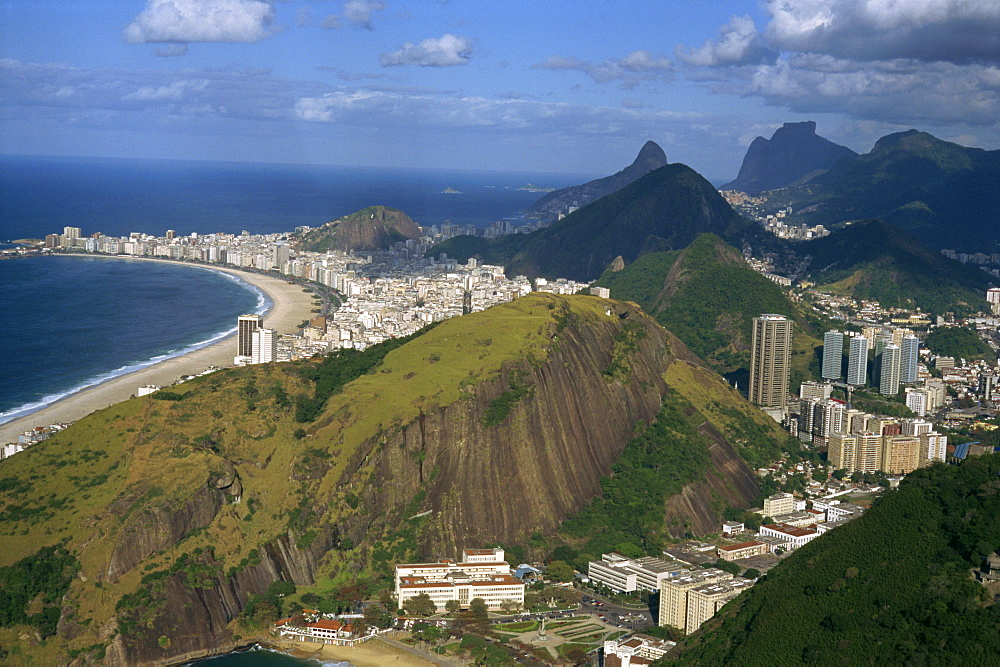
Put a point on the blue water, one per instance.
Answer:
(67, 322)
(42, 195)
(70, 322)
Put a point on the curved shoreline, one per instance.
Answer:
(289, 306)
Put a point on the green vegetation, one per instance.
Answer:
(961, 343)
(874, 260)
(628, 516)
(498, 251)
(892, 587)
(370, 228)
(31, 589)
(706, 295)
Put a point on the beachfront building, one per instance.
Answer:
(635, 650)
(245, 326)
(324, 630)
(482, 573)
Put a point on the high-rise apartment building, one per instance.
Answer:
(71, 232)
(246, 325)
(833, 354)
(888, 373)
(674, 594)
(770, 360)
(909, 354)
(857, 361)
(264, 346)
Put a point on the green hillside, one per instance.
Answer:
(707, 296)
(944, 194)
(892, 587)
(873, 259)
(961, 343)
(371, 228)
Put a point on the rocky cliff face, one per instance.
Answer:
(372, 228)
(650, 157)
(794, 151)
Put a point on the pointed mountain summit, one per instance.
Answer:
(664, 210)
(794, 151)
(560, 201)
(372, 228)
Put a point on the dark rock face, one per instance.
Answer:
(372, 228)
(794, 151)
(650, 157)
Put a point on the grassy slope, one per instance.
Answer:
(892, 587)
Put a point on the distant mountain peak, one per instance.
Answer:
(792, 152)
(559, 202)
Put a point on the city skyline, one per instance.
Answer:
(512, 87)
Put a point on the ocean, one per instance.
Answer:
(67, 323)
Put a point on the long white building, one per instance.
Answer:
(482, 573)
(625, 575)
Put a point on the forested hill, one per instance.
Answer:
(893, 587)
(707, 295)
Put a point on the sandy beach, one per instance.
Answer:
(373, 653)
(290, 306)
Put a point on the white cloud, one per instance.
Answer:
(446, 51)
(956, 31)
(629, 71)
(173, 92)
(359, 12)
(201, 21)
(738, 43)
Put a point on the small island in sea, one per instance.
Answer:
(451, 191)
(531, 187)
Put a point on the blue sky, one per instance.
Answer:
(543, 86)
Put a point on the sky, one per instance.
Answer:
(550, 86)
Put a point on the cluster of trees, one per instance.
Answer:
(959, 342)
(31, 589)
(628, 516)
(892, 587)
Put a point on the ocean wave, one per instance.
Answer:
(263, 305)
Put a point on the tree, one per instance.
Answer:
(453, 606)
(559, 570)
(377, 617)
(479, 609)
(420, 605)
(752, 573)
(385, 597)
(728, 566)
(508, 606)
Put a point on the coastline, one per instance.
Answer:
(289, 306)
(373, 653)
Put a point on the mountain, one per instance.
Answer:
(944, 194)
(873, 259)
(372, 228)
(794, 151)
(650, 157)
(892, 587)
(707, 295)
(183, 522)
(664, 210)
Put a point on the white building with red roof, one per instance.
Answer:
(483, 573)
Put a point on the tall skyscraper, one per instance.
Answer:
(264, 346)
(246, 325)
(909, 354)
(888, 373)
(857, 361)
(770, 360)
(833, 354)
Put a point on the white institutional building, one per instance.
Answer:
(483, 573)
